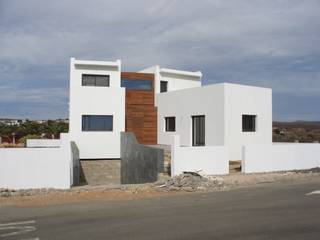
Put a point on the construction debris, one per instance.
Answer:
(191, 182)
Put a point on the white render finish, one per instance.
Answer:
(223, 106)
(25, 168)
(43, 143)
(280, 157)
(91, 100)
(211, 160)
(241, 99)
(176, 79)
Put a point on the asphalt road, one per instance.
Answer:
(271, 211)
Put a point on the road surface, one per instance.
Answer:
(268, 211)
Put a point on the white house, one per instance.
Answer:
(206, 126)
(157, 103)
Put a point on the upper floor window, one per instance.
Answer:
(170, 124)
(95, 80)
(97, 123)
(249, 123)
(163, 86)
(139, 84)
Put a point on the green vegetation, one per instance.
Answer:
(33, 129)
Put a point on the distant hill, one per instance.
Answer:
(298, 124)
(302, 131)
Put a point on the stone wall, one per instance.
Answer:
(100, 172)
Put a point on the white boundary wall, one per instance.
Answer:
(211, 160)
(43, 143)
(280, 157)
(24, 168)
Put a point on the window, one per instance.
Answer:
(249, 123)
(198, 130)
(170, 124)
(136, 84)
(163, 86)
(97, 123)
(95, 80)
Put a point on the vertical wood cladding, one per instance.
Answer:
(141, 114)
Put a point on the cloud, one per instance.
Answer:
(265, 43)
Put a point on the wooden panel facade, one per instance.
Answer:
(141, 114)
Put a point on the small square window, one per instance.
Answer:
(249, 123)
(170, 124)
(163, 86)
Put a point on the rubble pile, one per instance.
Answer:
(191, 182)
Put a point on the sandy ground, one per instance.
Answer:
(43, 197)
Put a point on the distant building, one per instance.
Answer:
(11, 121)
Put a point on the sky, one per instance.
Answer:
(270, 43)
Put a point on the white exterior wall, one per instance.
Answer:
(280, 157)
(207, 100)
(176, 79)
(210, 160)
(239, 100)
(223, 106)
(87, 100)
(24, 168)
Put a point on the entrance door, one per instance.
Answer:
(198, 130)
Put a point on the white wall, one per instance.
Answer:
(24, 168)
(85, 100)
(211, 159)
(206, 100)
(43, 143)
(176, 79)
(239, 100)
(223, 106)
(280, 157)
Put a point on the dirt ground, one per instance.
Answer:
(43, 197)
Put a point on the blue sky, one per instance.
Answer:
(265, 43)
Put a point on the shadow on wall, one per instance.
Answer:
(139, 163)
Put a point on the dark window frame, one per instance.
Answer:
(249, 123)
(198, 130)
(161, 86)
(135, 81)
(85, 126)
(170, 124)
(95, 76)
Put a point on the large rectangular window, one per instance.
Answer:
(170, 124)
(163, 86)
(249, 123)
(198, 130)
(94, 123)
(140, 84)
(95, 80)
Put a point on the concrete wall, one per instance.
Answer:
(24, 168)
(239, 100)
(86, 100)
(210, 160)
(139, 163)
(223, 106)
(280, 157)
(43, 143)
